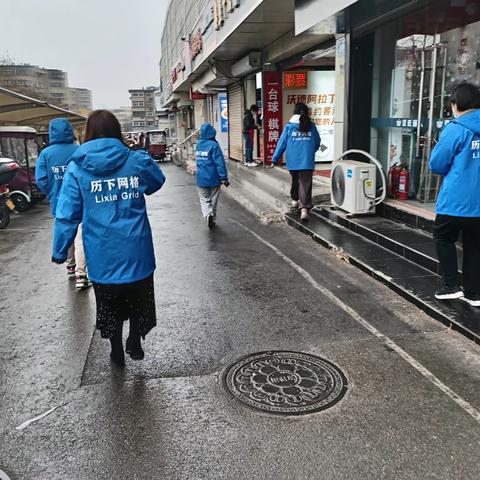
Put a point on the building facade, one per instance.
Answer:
(143, 108)
(376, 74)
(46, 84)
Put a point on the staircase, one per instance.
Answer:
(398, 251)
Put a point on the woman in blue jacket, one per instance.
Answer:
(49, 171)
(104, 188)
(300, 140)
(211, 172)
(457, 157)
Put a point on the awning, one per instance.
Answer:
(18, 109)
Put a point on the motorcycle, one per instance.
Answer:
(8, 170)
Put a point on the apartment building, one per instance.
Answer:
(143, 108)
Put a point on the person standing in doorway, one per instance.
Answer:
(104, 188)
(457, 158)
(211, 172)
(49, 171)
(249, 127)
(299, 140)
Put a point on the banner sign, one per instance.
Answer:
(222, 98)
(272, 112)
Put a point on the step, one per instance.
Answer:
(414, 244)
(413, 282)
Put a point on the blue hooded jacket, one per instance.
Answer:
(104, 188)
(300, 147)
(53, 160)
(211, 169)
(457, 157)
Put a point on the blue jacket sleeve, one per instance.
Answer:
(281, 146)
(69, 215)
(151, 173)
(446, 149)
(41, 173)
(316, 138)
(219, 161)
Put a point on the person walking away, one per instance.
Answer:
(104, 188)
(211, 172)
(49, 171)
(300, 140)
(249, 127)
(457, 157)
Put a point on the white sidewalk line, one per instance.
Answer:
(39, 417)
(470, 409)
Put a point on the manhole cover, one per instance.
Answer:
(285, 383)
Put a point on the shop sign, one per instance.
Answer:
(197, 95)
(272, 112)
(176, 70)
(173, 75)
(221, 9)
(295, 80)
(195, 44)
(222, 99)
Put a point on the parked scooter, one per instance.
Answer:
(8, 170)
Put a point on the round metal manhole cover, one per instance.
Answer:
(285, 383)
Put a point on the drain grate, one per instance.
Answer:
(285, 383)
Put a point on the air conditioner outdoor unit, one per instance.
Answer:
(353, 184)
(248, 64)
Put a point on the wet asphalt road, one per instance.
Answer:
(221, 295)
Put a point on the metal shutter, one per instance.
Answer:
(235, 122)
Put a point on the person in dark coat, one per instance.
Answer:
(249, 127)
(104, 188)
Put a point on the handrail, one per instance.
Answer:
(189, 137)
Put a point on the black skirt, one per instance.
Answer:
(128, 301)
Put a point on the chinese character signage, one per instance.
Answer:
(272, 112)
(222, 98)
(195, 44)
(319, 96)
(295, 80)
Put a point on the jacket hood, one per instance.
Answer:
(470, 120)
(207, 132)
(102, 156)
(60, 131)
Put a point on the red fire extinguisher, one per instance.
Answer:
(403, 184)
(393, 175)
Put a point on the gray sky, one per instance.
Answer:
(107, 46)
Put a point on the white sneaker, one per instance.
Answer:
(294, 203)
(304, 216)
(252, 164)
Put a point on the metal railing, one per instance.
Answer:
(184, 151)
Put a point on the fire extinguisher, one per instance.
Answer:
(393, 175)
(403, 184)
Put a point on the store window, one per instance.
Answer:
(417, 61)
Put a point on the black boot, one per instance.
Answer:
(133, 345)
(117, 355)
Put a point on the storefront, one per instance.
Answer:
(402, 73)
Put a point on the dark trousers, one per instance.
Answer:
(301, 190)
(248, 148)
(446, 233)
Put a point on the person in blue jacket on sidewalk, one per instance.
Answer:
(104, 188)
(49, 171)
(300, 140)
(211, 172)
(457, 157)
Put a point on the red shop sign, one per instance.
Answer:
(294, 80)
(195, 44)
(272, 112)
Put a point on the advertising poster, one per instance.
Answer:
(222, 98)
(317, 90)
(272, 112)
